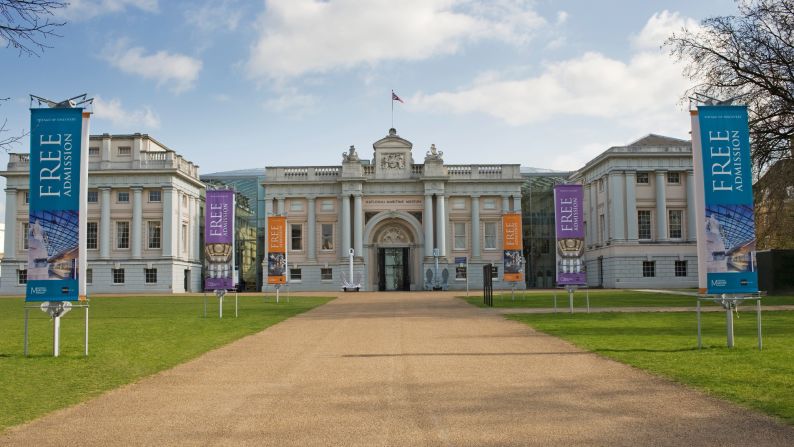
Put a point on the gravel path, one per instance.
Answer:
(402, 369)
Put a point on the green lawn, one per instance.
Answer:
(665, 344)
(603, 298)
(130, 337)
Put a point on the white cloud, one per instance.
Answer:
(215, 15)
(130, 120)
(562, 17)
(87, 9)
(177, 70)
(290, 101)
(641, 93)
(305, 36)
(659, 27)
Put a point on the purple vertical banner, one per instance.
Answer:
(219, 239)
(568, 209)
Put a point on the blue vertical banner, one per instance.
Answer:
(729, 228)
(53, 225)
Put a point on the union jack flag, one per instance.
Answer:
(394, 97)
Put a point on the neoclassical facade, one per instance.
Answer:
(144, 215)
(398, 216)
(640, 215)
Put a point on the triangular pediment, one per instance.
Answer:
(653, 140)
(392, 141)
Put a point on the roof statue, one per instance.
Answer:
(352, 155)
(434, 154)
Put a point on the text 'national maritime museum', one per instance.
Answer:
(412, 224)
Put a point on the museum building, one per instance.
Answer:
(144, 214)
(399, 217)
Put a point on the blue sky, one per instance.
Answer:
(234, 84)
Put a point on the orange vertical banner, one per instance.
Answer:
(513, 245)
(276, 250)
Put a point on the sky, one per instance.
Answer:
(233, 84)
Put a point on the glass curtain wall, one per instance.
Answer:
(537, 208)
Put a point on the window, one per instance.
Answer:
(122, 235)
(295, 274)
(680, 268)
(490, 235)
(643, 178)
(460, 272)
(459, 204)
(93, 151)
(296, 230)
(93, 196)
(459, 229)
(494, 272)
(155, 196)
(91, 236)
(327, 237)
(184, 237)
(123, 197)
(150, 275)
(89, 276)
(648, 269)
(644, 224)
(26, 196)
(327, 205)
(22, 277)
(124, 151)
(118, 276)
(489, 204)
(326, 274)
(25, 235)
(153, 231)
(674, 223)
(674, 178)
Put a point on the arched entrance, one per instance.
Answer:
(393, 251)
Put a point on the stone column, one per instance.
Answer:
(505, 204)
(441, 230)
(427, 222)
(607, 217)
(104, 224)
(661, 206)
(632, 229)
(617, 209)
(517, 203)
(10, 244)
(311, 229)
(340, 226)
(358, 225)
(691, 214)
(167, 233)
(475, 226)
(594, 213)
(195, 214)
(345, 224)
(136, 234)
(282, 206)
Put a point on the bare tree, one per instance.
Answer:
(749, 55)
(8, 141)
(26, 24)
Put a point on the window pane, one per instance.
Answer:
(644, 224)
(155, 196)
(297, 237)
(123, 197)
(460, 235)
(118, 276)
(93, 196)
(643, 178)
(89, 276)
(680, 268)
(295, 274)
(648, 269)
(151, 276)
(326, 274)
(91, 239)
(327, 242)
(122, 235)
(490, 235)
(154, 234)
(674, 223)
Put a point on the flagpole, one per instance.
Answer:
(392, 109)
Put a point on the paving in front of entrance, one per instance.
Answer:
(402, 369)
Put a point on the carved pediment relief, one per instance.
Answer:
(392, 160)
(393, 235)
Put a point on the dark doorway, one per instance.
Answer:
(393, 269)
(600, 271)
(187, 280)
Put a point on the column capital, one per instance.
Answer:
(136, 188)
(11, 189)
(631, 172)
(475, 196)
(311, 198)
(104, 188)
(660, 171)
(165, 187)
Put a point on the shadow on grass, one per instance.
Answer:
(647, 350)
(464, 354)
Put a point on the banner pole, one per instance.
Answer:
(27, 314)
(56, 336)
(85, 341)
